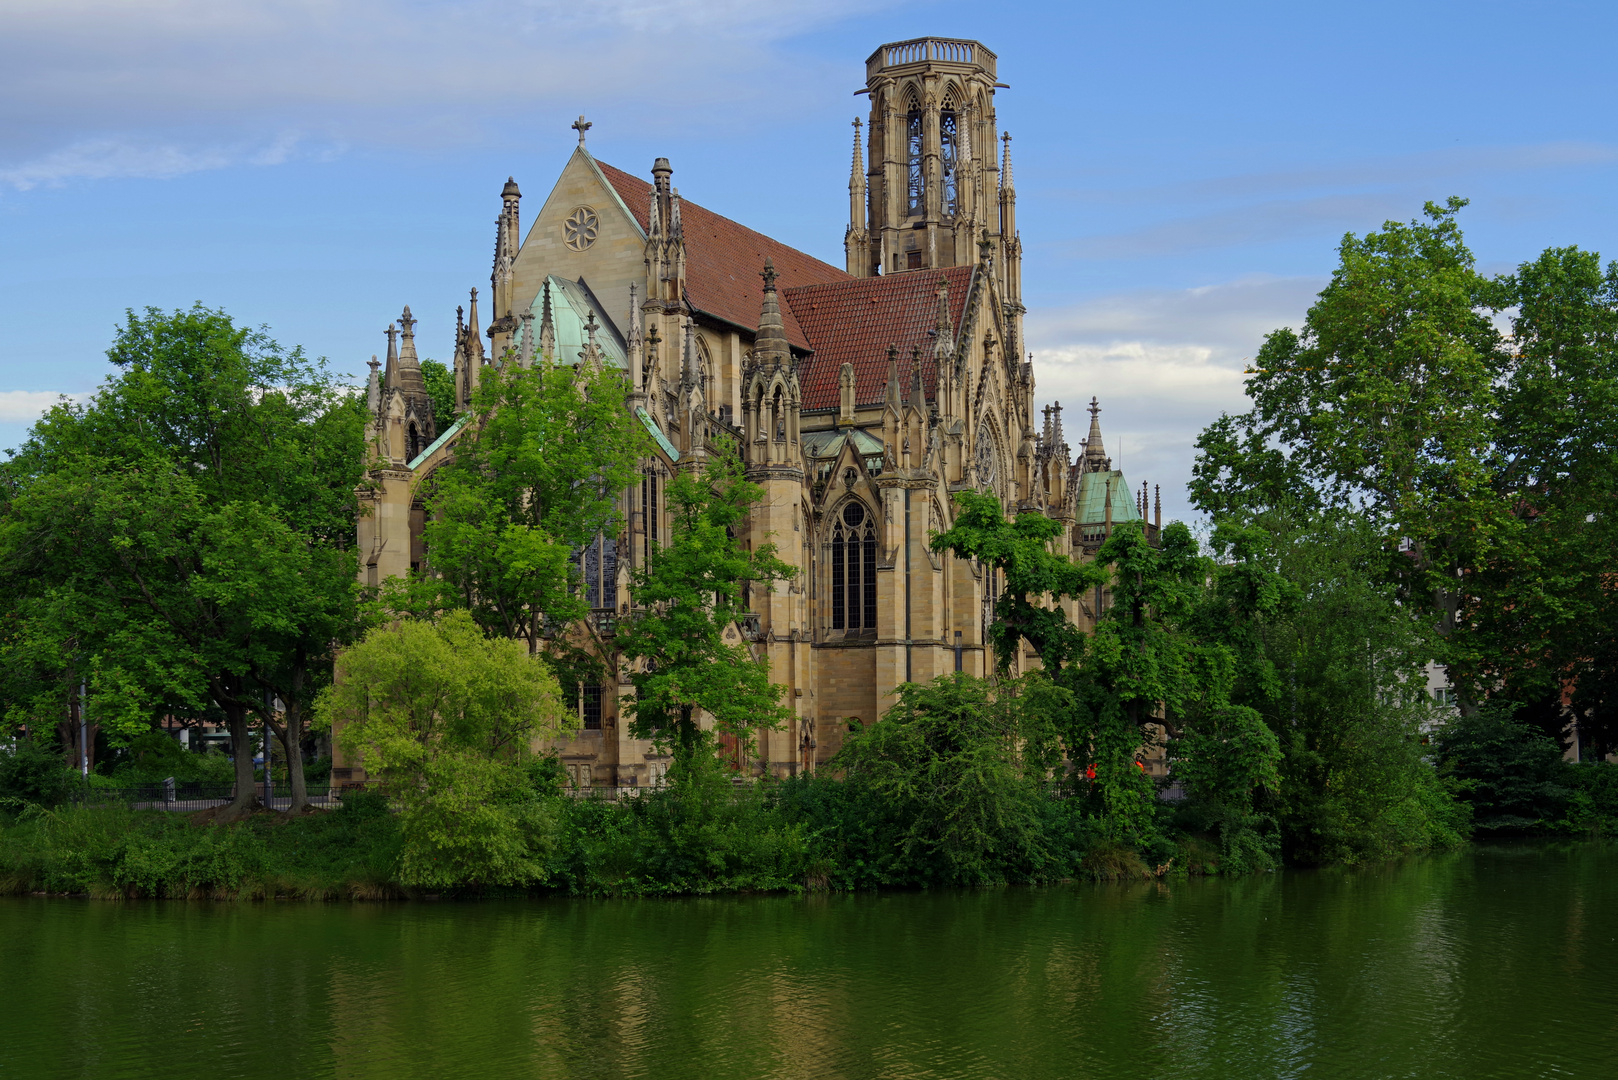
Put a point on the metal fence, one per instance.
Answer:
(188, 795)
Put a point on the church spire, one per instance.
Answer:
(1095, 453)
(547, 326)
(770, 344)
(893, 398)
(390, 372)
(856, 241)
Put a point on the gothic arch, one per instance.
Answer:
(851, 541)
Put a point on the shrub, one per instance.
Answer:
(32, 773)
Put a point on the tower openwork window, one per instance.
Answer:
(913, 149)
(853, 569)
(947, 142)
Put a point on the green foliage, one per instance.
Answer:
(1509, 772)
(183, 542)
(1021, 549)
(701, 835)
(445, 717)
(33, 774)
(1348, 700)
(114, 852)
(957, 768)
(688, 595)
(1486, 469)
(440, 382)
(536, 473)
(155, 755)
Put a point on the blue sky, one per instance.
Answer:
(1184, 171)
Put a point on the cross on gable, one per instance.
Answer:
(581, 125)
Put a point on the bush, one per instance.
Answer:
(701, 834)
(32, 773)
(1509, 771)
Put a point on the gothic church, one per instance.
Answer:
(863, 398)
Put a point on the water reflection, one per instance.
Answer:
(1477, 965)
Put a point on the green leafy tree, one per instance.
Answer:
(1335, 667)
(184, 541)
(960, 763)
(536, 473)
(1545, 608)
(1149, 662)
(1386, 401)
(448, 719)
(687, 596)
(440, 382)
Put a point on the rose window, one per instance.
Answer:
(579, 230)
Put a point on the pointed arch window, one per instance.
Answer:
(948, 140)
(597, 566)
(853, 569)
(913, 149)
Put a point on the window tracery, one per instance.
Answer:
(580, 228)
(947, 137)
(913, 152)
(853, 569)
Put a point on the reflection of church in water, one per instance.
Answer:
(862, 398)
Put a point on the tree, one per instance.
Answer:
(1487, 466)
(687, 596)
(1336, 669)
(1386, 402)
(1151, 659)
(960, 763)
(1545, 608)
(536, 474)
(446, 717)
(440, 382)
(184, 541)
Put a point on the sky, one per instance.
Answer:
(1184, 171)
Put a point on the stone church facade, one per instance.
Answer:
(862, 398)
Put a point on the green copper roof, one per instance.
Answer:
(460, 422)
(825, 444)
(571, 304)
(657, 433)
(1093, 498)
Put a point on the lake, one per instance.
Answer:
(1495, 962)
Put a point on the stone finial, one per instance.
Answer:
(581, 125)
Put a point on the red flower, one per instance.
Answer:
(1090, 772)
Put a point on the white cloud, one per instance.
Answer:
(102, 88)
(26, 406)
(1163, 365)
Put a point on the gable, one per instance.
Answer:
(612, 262)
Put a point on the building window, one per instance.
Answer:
(648, 515)
(592, 707)
(597, 564)
(918, 183)
(946, 139)
(853, 570)
(912, 260)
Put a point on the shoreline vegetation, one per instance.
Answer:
(706, 834)
(1413, 494)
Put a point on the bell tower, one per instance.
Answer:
(931, 189)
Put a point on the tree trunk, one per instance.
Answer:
(241, 746)
(292, 740)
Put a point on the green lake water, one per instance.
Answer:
(1498, 962)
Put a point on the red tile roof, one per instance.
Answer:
(855, 320)
(723, 260)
